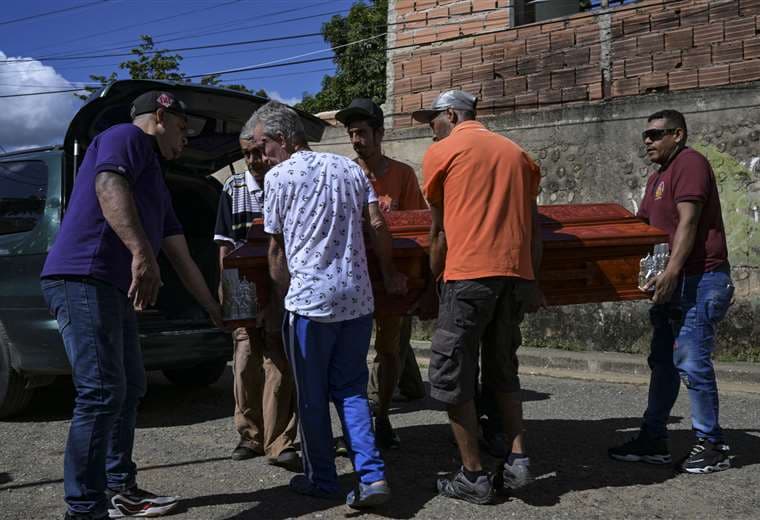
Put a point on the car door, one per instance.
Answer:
(30, 213)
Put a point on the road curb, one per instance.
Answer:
(611, 366)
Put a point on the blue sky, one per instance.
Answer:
(63, 45)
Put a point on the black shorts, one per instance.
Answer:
(487, 312)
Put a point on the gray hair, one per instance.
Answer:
(275, 118)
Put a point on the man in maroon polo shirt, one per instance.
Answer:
(690, 297)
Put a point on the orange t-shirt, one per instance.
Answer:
(398, 188)
(486, 185)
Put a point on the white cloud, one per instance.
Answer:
(33, 120)
(273, 94)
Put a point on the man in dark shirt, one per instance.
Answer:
(265, 396)
(690, 297)
(100, 270)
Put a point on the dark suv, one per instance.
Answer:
(35, 184)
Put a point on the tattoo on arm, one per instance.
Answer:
(119, 209)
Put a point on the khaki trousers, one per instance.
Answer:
(265, 397)
(410, 382)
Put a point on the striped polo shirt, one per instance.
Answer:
(241, 201)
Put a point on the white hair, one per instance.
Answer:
(275, 118)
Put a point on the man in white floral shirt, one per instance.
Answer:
(317, 206)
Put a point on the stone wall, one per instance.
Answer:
(593, 153)
(642, 47)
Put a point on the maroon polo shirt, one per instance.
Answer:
(688, 178)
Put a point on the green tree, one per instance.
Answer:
(214, 81)
(150, 63)
(360, 68)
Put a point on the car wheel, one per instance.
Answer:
(14, 396)
(202, 374)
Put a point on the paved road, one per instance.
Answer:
(184, 439)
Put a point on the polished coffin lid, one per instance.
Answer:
(591, 254)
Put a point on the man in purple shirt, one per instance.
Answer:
(101, 269)
(690, 297)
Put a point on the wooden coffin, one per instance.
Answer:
(592, 254)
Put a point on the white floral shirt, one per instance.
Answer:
(316, 201)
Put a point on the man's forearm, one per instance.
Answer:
(118, 207)
(224, 250)
(175, 249)
(278, 266)
(380, 237)
(438, 249)
(438, 244)
(683, 243)
(382, 243)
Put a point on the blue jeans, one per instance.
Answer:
(329, 362)
(682, 343)
(99, 330)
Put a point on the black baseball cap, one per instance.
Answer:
(361, 108)
(152, 100)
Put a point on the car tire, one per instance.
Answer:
(200, 375)
(14, 396)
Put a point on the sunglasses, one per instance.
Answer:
(655, 134)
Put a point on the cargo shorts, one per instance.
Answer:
(486, 313)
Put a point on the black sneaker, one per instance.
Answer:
(385, 437)
(642, 449)
(706, 457)
(479, 492)
(138, 503)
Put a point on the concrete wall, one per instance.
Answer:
(637, 48)
(593, 153)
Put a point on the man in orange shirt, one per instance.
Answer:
(482, 191)
(397, 189)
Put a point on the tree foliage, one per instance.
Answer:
(360, 68)
(213, 80)
(150, 63)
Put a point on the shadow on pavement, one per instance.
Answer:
(571, 455)
(277, 503)
(141, 469)
(164, 404)
(400, 406)
(567, 455)
(5, 478)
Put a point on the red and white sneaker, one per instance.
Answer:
(136, 502)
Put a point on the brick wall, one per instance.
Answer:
(649, 46)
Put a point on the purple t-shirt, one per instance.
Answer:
(688, 178)
(86, 245)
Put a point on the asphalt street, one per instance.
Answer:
(184, 439)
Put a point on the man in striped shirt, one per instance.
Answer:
(265, 399)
